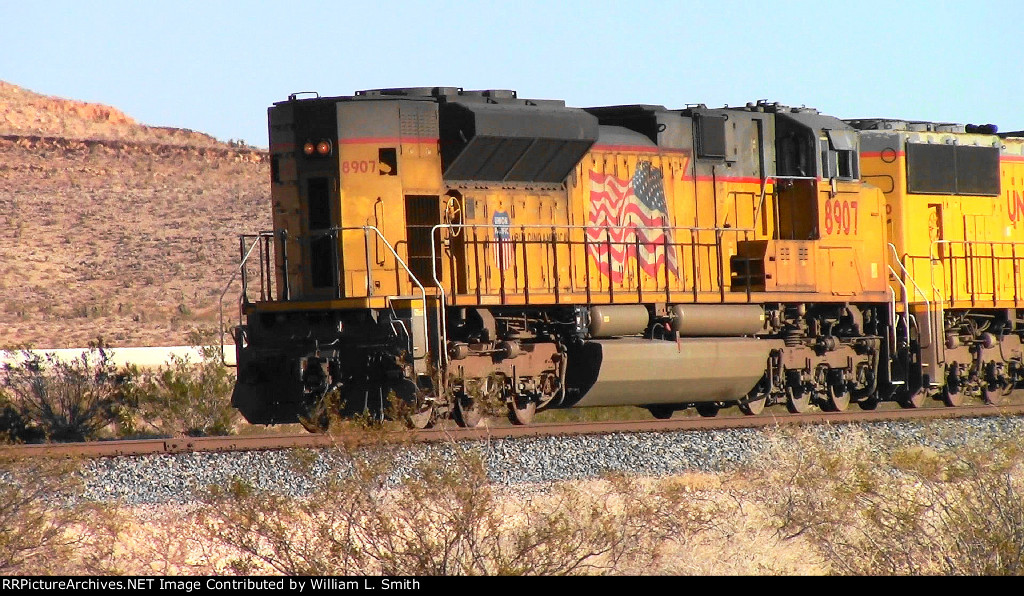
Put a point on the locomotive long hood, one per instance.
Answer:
(513, 143)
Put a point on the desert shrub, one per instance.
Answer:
(34, 526)
(909, 510)
(67, 400)
(14, 428)
(46, 529)
(193, 398)
(443, 517)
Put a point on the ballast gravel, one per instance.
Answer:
(183, 477)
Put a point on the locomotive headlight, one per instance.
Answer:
(323, 147)
(308, 148)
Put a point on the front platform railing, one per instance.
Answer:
(265, 266)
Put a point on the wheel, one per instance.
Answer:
(406, 402)
(838, 398)
(997, 385)
(317, 418)
(660, 412)
(421, 418)
(467, 413)
(757, 398)
(707, 410)
(798, 399)
(317, 424)
(754, 407)
(470, 410)
(870, 402)
(867, 398)
(521, 411)
(913, 399)
(952, 393)
(993, 393)
(952, 396)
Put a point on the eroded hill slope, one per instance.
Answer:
(113, 228)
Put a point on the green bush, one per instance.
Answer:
(65, 400)
(193, 398)
(14, 428)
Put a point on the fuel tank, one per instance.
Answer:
(637, 371)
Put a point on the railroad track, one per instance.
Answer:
(451, 433)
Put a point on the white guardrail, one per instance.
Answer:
(145, 357)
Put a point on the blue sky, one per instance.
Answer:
(215, 66)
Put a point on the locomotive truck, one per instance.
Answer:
(445, 252)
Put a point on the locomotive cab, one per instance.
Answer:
(827, 228)
(345, 169)
(355, 180)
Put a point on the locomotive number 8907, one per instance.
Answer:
(436, 251)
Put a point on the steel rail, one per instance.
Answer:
(364, 437)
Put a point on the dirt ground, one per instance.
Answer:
(174, 540)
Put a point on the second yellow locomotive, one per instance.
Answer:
(443, 249)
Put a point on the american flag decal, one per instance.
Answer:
(503, 250)
(636, 215)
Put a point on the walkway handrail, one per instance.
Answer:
(906, 274)
(398, 259)
(442, 322)
(266, 235)
(394, 253)
(933, 255)
(933, 344)
(257, 239)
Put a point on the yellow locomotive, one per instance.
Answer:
(444, 250)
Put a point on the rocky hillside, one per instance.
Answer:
(115, 229)
(23, 112)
